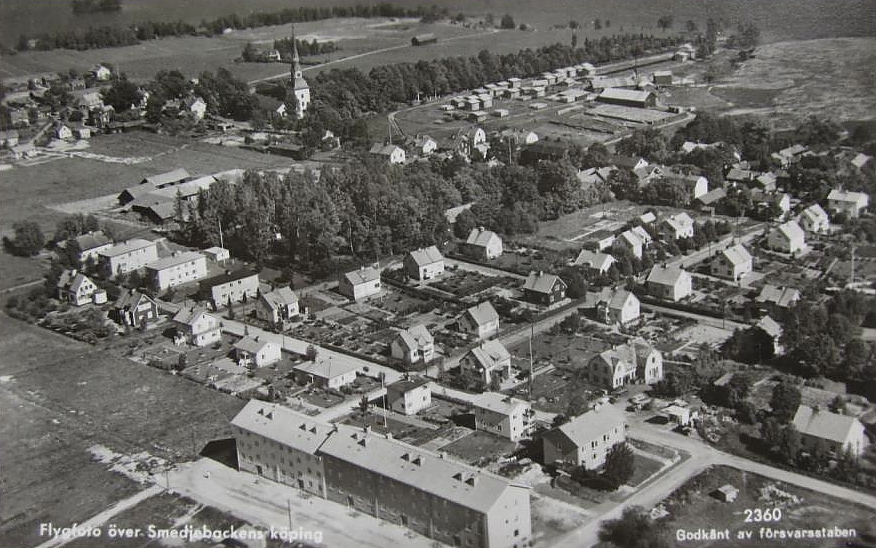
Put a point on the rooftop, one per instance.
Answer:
(426, 256)
(483, 313)
(822, 423)
(126, 247)
(175, 260)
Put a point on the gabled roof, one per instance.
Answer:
(126, 247)
(166, 178)
(190, 316)
(406, 385)
(791, 230)
(679, 222)
(737, 174)
(426, 256)
(327, 368)
(228, 277)
(415, 337)
(252, 344)
(499, 403)
(447, 479)
(712, 196)
(480, 237)
(175, 260)
(663, 275)
(482, 313)
(92, 240)
(130, 300)
(539, 282)
(591, 425)
(490, 354)
(631, 238)
(781, 296)
(642, 234)
(595, 260)
(363, 275)
(280, 297)
(737, 255)
(770, 326)
(72, 280)
(858, 198)
(625, 94)
(282, 425)
(384, 150)
(619, 298)
(816, 214)
(823, 424)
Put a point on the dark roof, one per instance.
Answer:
(227, 277)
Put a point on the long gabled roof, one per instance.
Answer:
(823, 424)
(189, 316)
(175, 260)
(482, 313)
(416, 337)
(362, 276)
(126, 247)
(737, 255)
(593, 424)
(480, 237)
(92, 240)
(166, 178)
(663, 275)
(490, 353)
(277, 298)
(594, 259)
(540, 282)
(426, 256)
(282, 425)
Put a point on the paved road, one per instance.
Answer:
(708, 320)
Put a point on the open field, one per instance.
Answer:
(60, 398)
(693, 507)
(28, 192)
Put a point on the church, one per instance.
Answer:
(298, 83)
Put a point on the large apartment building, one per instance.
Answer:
(178, 269)
(126, 257)
(437, 497)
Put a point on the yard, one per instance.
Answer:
(694, 506)
(480, 448)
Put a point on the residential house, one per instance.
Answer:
(409, 395)
(544, 289)
(195, 326)
(783, 297)
(75, 288)
(91, 244)
(631, 241)
(860, 160)
(134, 309)
(678, 226)
(126, 257)
(62, 132)
(814, 219)
(765, 182)
(483, 245)
(360, 284)
(597, 262)
(789, 155)
(8, 138)
(850, 203)
(178, 269)
(390, 153)
(503, 415)
(82, 132)
(19, 118)
(23, 150)
(669, 283)
(424, 263)
(734, 262)
(586, 439)
(593, 176)
(278, 306)
(840, 433)
(490, 361)
(618, 306)
(413, 345)
(788, 237)
(635, 361)
(217, 254)
(100, 73)
(230, 287)
(775, 331)
(693, 185)
(602, 239)
(424, 145)
(256, 351)
(333, 372)
(194, 106)
(643, 235)
(481, 320)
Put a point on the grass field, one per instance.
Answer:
(61, 397)
(692, 507)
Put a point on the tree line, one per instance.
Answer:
(110, 36)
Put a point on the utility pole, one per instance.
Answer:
(852, 273)
(289, 511)
(531, 334)
(221, 240)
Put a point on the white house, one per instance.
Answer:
(424, 145)
(360, 284)
(332, 372)
(635, 361)
(75, 288)
(488, 361)
(734, 262)
(483, 245)
(775, 331)
(409, 395)
(783, 297)
(178, 269)
(256, 351)
(814, 219)
(787, 237)
(670, 283)
(101, 73)
(277, 306)
(631, 241)
(481, 320)
(391, 153)
(503, 415)
(195, 326)
(678, 226)
(126, 257)
(618, 306)
(230, 287)
(424, 263)
(839, 432)
(413, 345)
(586, 439)
(196, 106)
(850, 203)
(91, 244)
(595, 261)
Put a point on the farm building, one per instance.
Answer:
(423, 39)
(627, 97)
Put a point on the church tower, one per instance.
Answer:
(299, 84)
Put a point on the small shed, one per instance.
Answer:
(726, 493)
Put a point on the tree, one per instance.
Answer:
(507, 22)
(634, 529)
(250, 53)
(784, 401)
(574, 39)
(29, 238)
(122, 94)
(311, 353)
(465, 222)
(619, 464)
(790, 443)
(665, 22)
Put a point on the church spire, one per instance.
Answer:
(296, 61)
